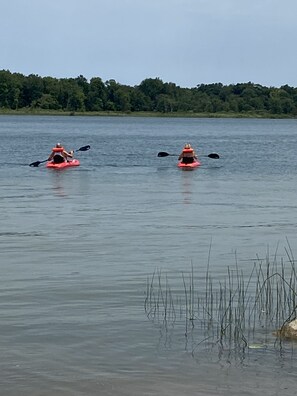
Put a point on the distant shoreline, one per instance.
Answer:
(39, 112)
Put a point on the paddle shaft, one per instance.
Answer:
(212, 155)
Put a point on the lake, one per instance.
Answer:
(90, 254)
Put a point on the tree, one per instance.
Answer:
(32, 89)
(152, 94)
(119, 95)
(10, 89)
(165, 104)
(96, 97)
(76, 99)
(82, 82)
(46, 101)
(152, 87)
(139, 101)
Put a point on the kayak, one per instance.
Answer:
(189, 166)
(62, 165)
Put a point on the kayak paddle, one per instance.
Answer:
(37, 163)
(212, 155)
(164, 154)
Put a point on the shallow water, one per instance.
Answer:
(77, 247)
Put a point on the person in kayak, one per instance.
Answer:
(188, 155)
(59, 154)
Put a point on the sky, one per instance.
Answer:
(186, 42)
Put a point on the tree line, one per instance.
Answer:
(18, 91)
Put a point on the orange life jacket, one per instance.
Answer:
(188, 151)
(58, 150)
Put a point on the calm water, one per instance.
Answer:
(77, 246)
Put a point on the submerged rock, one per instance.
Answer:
(289, 330)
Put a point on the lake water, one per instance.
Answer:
(78, 248)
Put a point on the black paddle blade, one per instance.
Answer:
(214, 156)
(163, 154)
(84, 148)
(36, 163)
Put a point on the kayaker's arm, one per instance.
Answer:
(70, 154)
(195, 155)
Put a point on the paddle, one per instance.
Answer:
(37, 163)
(212, 155)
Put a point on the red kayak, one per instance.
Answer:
(192, 165)
(63, 165)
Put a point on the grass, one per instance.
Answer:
(45, 112)
(238, 313)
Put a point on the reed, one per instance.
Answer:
(234, 313)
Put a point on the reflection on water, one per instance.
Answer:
(57, 179)
(187, 186)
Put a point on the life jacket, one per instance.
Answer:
(188, 152)
(58, 150)
(58, 157)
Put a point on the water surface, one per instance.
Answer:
(77, 247)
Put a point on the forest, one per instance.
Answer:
(19, 92)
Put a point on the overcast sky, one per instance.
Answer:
(187, 42)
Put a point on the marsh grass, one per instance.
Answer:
(237, 313)
(188, 114)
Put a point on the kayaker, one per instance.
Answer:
(59, 154)
(188, 155)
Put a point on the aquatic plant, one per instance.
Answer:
(236, 313)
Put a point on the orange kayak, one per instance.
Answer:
(62, 165)
(189, 166)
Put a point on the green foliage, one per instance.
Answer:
(96, 95)
(151, 95)
(46, 101)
